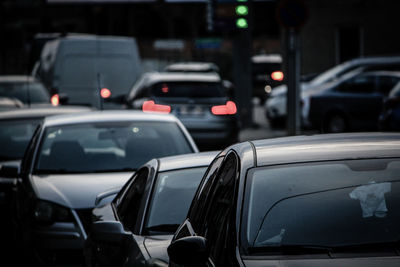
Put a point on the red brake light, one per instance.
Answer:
(228, 109)
(150, 106)
(55, 100)
(277, 76)
(105, 93)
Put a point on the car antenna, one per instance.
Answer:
(99, 91)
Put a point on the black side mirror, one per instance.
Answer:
(9, 171)
(109, 231)
(188, 250)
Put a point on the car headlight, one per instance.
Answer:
(47, 213)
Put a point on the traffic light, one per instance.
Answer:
(242, 12)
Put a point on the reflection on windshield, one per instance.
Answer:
(105, 147)
(325, 205)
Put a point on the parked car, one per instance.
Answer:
(199, 100)
(73, 158)
(352, 103)
(267, 73)
(75, 67)
(389, 119)
(275, 106)
(137, 226)
(26, 89)
(264, 205)
(7, 103)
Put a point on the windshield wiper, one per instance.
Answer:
(167, 228)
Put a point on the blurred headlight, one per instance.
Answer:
(48, 213)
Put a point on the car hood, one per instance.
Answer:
(156, 246)
(76, 191)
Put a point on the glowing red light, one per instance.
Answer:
(105, 93)
(55, 100)
(277, 75)
(228, 109)
(150, 106)
(165, 89)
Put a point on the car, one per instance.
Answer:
(75, 68)
(352, 103)
(136, 227)
(70, 160)
(389, 119)
(199, 100)
(275, 106)
(25, 88)
(266, 74)
(319, 200)
(7, 103)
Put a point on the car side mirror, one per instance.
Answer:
(108, 231)
(9, 171)
(188, 250)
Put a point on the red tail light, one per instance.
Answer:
(277, 76)
(105, 93)
(228, 109)
(55, 100)
(150, 106)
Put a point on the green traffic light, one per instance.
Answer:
(242, 10)
(241, 0)
(241, 23)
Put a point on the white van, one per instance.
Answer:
(76, 67)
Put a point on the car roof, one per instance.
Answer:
(40, 111)
(17, 78)
(107, 116)
(267, 58)
(186, 160)
(323, 147)
(192, 66)
(155, 77)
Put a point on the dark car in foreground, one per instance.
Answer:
(137, 226)
(70, 160)
(199, 100)
(322, 200)
(352, 103)
(389, 119)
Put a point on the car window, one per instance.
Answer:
(361, 84)
(221, 206)
(129, 205)
(25, 92)
(15, 136)
(172, 194)
(386, 83)
(107, 146)
(350, 203)
(187, 89)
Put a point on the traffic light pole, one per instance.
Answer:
(293, 78)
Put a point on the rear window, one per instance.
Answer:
(25, 92)
(187, 89)
(329, 205)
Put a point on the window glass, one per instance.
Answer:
(172, 195)
(386, 83)
(188, 89)
(361, 84)
(35, 92)
(108, 146)
(129, 205)
(325, 204)
(15, 136)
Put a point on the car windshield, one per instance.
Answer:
(15, 136)
(333, 73)
(172, 195)
(35, 92)
(331, 204)
(187, 89)
(107, 146)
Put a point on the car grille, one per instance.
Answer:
(85, 215)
